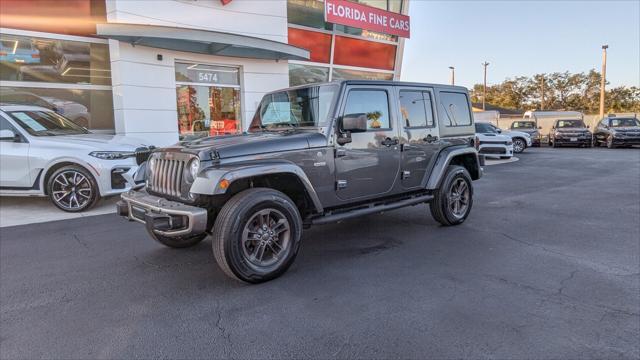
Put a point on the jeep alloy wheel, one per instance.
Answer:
(265, 238)
(458, 197)
(452, 202)
(256, 235)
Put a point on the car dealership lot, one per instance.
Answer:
(547, 265)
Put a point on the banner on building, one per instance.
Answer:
(365, 17)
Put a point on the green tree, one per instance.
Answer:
(562, 91)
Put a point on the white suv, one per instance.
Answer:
(491, 143)
(45, 154)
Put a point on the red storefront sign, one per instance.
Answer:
(366, 17)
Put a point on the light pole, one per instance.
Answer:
(453, 75)
(484, 87)
(542, 92)
(603, 79)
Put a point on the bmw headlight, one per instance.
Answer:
(194, 167)
(112, 155)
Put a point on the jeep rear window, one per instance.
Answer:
(308, 106)
(455, 109)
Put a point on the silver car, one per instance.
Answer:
(44, 154)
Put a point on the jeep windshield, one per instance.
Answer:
(46, 123)
(570, 124)
(300, 107)
(622, 122)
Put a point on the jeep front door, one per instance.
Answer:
(368, 166)
(419, 138)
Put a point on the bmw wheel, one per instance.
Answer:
(72, 189)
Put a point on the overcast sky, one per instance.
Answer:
(521, 38)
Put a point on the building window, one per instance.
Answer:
(71, 77)
(362, 53)
(347, 74)
(92, 109)
(307, 13)
(307, 74)
(365, 33)
(319, 44)
(53, 61)
(208, 100)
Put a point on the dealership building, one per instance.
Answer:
(170, 69)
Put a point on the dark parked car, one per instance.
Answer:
(313, 155)
(570, 132)
(529, 127)
(615, 131)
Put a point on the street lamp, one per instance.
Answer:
(484, 88)
(603, 80)
(453, 75)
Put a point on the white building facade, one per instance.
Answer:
(171, 69)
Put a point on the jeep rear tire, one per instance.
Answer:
(180, 242)
(257, 235)
(452, 202)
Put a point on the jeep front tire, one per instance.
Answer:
(257, 235)
(452, 202)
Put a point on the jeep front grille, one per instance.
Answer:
(166, 176)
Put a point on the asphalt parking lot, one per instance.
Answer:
(547, 266)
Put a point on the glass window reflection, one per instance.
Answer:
(208, 111)
(50, 60)
(92, 109)
(307, 74)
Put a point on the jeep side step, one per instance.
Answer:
(371, 209)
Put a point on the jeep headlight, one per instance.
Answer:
(194, 167)
(112, 155)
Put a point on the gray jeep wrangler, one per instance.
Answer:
(312, 155)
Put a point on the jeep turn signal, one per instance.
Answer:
(224, 184)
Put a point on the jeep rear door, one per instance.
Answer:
(419, 137)
(368, 166)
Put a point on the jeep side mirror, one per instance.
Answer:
(499, 131)
(354, 123)
(8, 135)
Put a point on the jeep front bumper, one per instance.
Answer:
(161, 216)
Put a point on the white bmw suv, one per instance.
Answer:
(45, 154)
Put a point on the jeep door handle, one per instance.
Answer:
(430, 138)
(389, 141)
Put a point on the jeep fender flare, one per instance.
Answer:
(445, 157)
(208, 181)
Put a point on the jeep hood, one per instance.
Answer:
(255, 143)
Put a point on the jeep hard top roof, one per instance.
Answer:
(377, 83)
